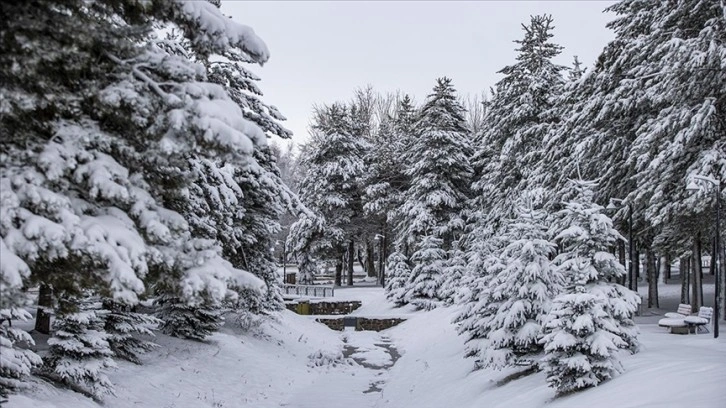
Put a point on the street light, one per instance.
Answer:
(632, 284)
(693, 186)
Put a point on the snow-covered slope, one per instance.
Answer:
(295, 362)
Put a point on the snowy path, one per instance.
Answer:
(358, 383)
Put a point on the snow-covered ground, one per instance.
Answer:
(298, 363)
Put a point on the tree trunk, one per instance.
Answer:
(683, 270)
(339, 270)
(636, 268)
(664, 267)
(697, 274)
(382, 255)
(361, 262)
(370, 260)
(652, 274)
(621, 251)
(667, 261)
(45, 308)
(351, 248)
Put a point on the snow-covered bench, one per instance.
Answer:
(684, 310)
(702, 320)
(677, 325)
(675, 322)
(687, 324)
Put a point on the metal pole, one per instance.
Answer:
(631, 268)
(717, 292)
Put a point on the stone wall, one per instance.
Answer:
(362, 323)
(325, 307)
(377, 324)
(333, 324)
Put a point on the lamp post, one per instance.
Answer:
(693, 187)
(632, 284)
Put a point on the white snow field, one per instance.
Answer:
(295, 362)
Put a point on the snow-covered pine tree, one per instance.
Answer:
(124, 326)
(522, 291)
(591, 321)
(577, 71)
(440, 174)
(652, 110)
(398, 273)
(80, 353)
(95, 167)
(386, 180)
(334, 167)
(473, 320)
(194, 321)
(453, 275)
(424, 283)
(15, 363)
(519, 115)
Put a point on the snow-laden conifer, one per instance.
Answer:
(424, 283)
(521, 292)
(452, 278)
(398, 272)
(127, 330)
(80, 354)
(591, 320)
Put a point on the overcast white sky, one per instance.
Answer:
(321, 51)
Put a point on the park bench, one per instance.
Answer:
(700, 321)
(680, 323)
(684, 310)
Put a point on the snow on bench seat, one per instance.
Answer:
(672, 322)
(695, 320)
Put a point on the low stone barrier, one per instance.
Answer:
(362, 323)
(323, 308)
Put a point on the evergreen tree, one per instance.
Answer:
(334, 168)
(305, 240)
(186, 320)
(424, 283)
(124, 326)
(591, 321)
(15, 363)
(399, 273)
(96, 169)
(522, 291)
(453, 274)
(473, 320)
(652, 110)
(439, 170)
(519, 116)
(79, 352)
